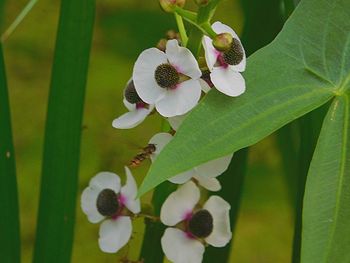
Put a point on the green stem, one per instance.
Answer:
(186, 14)
(182, 29)
(191, 17)
(18, 20)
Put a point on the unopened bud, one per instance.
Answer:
(171, 34)
(162, 44)
(223, 41)
(169, 5)
(202, 2)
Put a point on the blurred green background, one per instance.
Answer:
(123, 28)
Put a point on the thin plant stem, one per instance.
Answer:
(18, 20)
(182, 29)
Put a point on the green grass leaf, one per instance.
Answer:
(151, 250)
(326, 213)
(9, 219)
(63, 131)
(302, 69)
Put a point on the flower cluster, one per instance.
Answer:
(169, 80)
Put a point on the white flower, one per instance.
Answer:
(169, 79)
(225, 67)
(138, 109)
(205, 174)
(104, 198)
(209, 224)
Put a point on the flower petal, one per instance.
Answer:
(159, 140)
(179, 204)
(114, 234)
(178, 248)
(182, 177)
(211, 54)
(211, 184)
(219, 209)
(176, 121)
(182, 59)
(215, 167)
(88, 204)
(219, 27)
(129, 193)
(228, 81)
(143, 74)
(180, 100)
(106, 180)
(131, 119)
(129, 106)
(205, 87)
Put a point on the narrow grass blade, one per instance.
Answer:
(18, 20)
(9, 219)
(151, 250)
(309, 128)
(63, 131)
(326, 213)
(232, 184)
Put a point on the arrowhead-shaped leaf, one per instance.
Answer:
(305, 66)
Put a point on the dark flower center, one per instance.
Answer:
(107, 202)
(166, 76)
(130, 94)
(235, 54)
(201, 224)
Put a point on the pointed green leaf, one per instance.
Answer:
(54, 238)
(9, 219)
(299, 71)
(326, 213)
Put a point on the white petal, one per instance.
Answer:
(180, 100)
(129, 106)
(219, 27)
(114, 234)
(176, 121)
(215, 167)
(219, 209)
(211, 184)
(131, 119)
(88, 204)
(178, 248)
(211, 54)
(182, 59)
(143, 74)
(228, 81)
(205, 87)
(106, 180)
(183, 177)
(160, 140)
(129, 193)
(179, 204)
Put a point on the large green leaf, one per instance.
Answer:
(303, 68)
(63, 131)
(9, 219)
(326, 231)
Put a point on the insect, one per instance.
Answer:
(145, 154)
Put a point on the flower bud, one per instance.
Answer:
(162, 44)
(202, 2)
(169, 5)
(223, 41)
